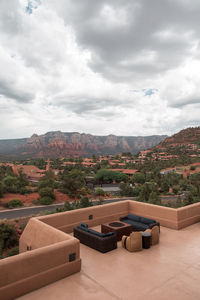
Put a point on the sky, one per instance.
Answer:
(123, 67)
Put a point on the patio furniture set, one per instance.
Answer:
(135, 232)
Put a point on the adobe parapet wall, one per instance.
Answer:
(96, 215)
(168, 217)
(188, 215)
(93, 216)
(55, 254)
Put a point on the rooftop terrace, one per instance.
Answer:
(169, 270)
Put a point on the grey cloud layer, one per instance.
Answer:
(151, 36)
(75, 62)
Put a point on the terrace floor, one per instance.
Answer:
(170, 270)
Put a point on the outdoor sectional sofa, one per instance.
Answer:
(139, 223)
(102, 242)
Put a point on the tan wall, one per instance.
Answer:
(32, 262)
(38, 234)
(188, 215)
(101, 214)
(33, 269)
(47, 261)
(165, 215)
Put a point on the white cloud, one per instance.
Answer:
(71, 66)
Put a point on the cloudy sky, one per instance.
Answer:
(124, 67)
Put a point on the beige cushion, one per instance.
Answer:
(133, 242)
(155, 235)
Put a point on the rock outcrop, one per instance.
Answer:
(63, 144)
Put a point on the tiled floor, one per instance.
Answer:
(168, 271)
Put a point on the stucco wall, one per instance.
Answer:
(168, 217)
(100, 214)
(48, 260)
(188, 215)
(38, 234)
(165, 215)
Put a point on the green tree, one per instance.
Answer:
(46, 200)
(73, 182)
(14, 203)
(67, 206)
(99, 192)
(154, 198)
(8, 237)
(165, 186)
(146, 190)
(176, 189)
(47, 191)
(22, 179)
(46, 183)
(138, 178)
(11, 184)
(126, 190)
(108, 176)
(85, 202)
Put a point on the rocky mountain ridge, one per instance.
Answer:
(64, 144)
(184, 137)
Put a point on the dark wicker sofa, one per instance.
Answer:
(96, 240)
(139, 223)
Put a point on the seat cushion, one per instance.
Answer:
(134, 217)
(147, 221)
(83, 225)
(96, 232)
(137, 225)
(83, 228)
(108, 234)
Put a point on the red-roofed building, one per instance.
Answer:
(128, 172)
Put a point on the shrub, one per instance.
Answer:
(176, 189)
(67, 206)
(24, 191)
(84, 202)
(126, 190)
(47, 191)
(8, 237)
(75, 204)
(14, 203)
(46, 183)
(46, 200)
(13, 251)
(82, 191)
(99, 192)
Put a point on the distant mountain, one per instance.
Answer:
(184, 137)
(63, 144)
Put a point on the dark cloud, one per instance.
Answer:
(8, 90)
(180, 103)
(122, 34)
(96, 105)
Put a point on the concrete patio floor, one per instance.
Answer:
(169, 270)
